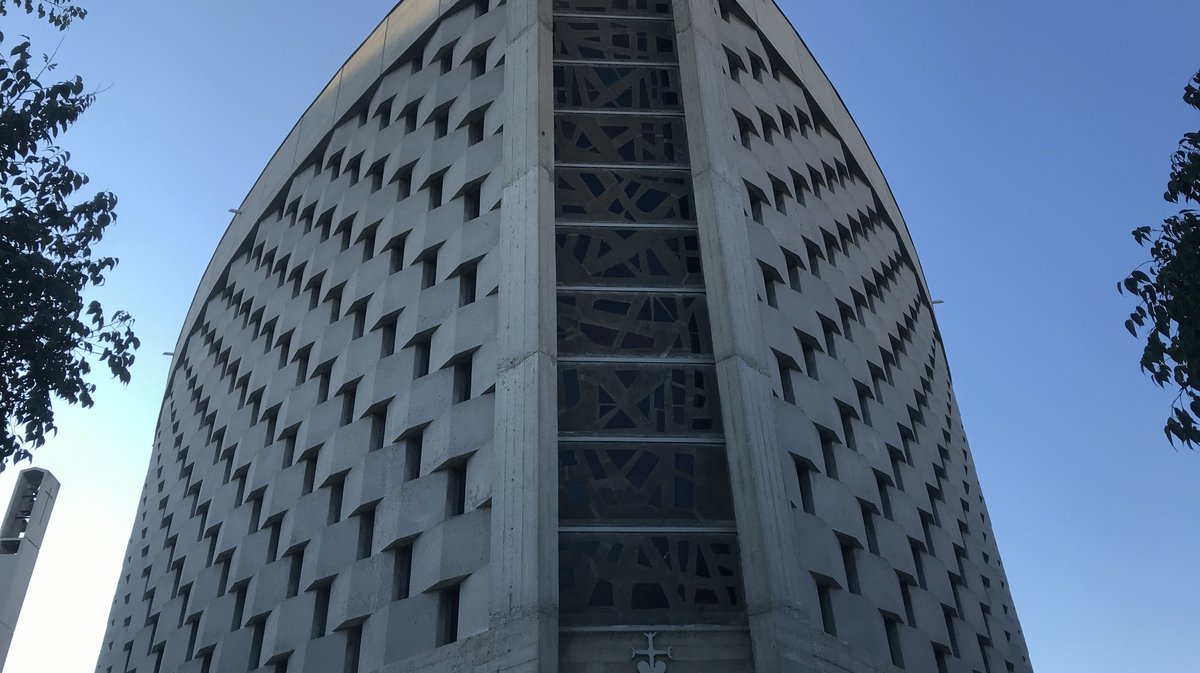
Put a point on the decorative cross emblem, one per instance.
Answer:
(651, 665)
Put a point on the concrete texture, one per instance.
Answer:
(21, 534)
(553, 324)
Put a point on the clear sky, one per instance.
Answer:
(1023, 141)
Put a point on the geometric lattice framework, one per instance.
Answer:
(628, 256)
(601, 194)
(681, 578)
(645, 511)
(651, 324)
(616, 88)
(622, 482)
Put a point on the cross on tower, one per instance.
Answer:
(651, 652)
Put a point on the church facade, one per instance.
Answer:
(565, 335)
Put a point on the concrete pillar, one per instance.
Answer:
(21, 535)
(757, 471)
(524, 558)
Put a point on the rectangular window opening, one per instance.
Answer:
(919, 562)
(850, 564)
(772, 297)
(429, 268)
(983, 654)
(467, 281)
(239, 606)
(826, 602)
(387, 336)
(359, 315)
(441, 122)
(421, 357)
(378, 428)
(848, 429)
(939, 656)
(809, 348)
(827, 452)
(353, 648)
(435, 191)
(804, 475)
(349, 395)
(366, 532)
(462, 379)
(756, 208)
(336, 492)
(456, 489)
(869, 525)
(273, 543)
(785, 380)
(323, 380)
(256, 644)
(320, 611)
(375, 173)
(310, 475)
(410, 112)
(295, 566)
(471, 203)
(401, 571)
(448, 607)
(412, 455)
(403, 180)
(884, 496)
(384, 112)
(893, 638)
(906, 596)
(949, 617)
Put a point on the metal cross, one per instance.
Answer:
(651, 652)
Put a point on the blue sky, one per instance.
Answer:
(1023, 141)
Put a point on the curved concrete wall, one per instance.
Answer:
(356, 465)
(866, 539)
(319, 493)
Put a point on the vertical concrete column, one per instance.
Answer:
(524, 611)
(21, 533)
(756, 462)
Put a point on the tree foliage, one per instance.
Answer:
(1168, 289)
(57, 13)
(47, 235)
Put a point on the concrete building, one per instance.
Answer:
(21, 533)
(570, 335)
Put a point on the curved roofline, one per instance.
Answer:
(396, 33)
(772, 32)
(399, 29)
